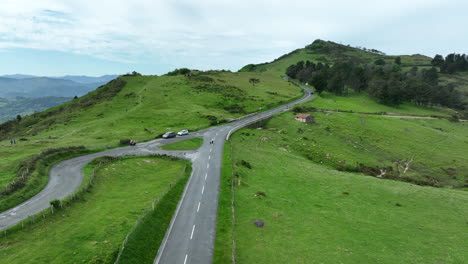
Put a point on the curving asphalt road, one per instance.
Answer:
(190, 237)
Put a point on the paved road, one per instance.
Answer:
(190, 238)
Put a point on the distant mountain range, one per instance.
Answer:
(25, 94)
(19, 85)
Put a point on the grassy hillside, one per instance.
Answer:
(93, 229)
(329, 52)
(139, 108)
(409, 86)
(345, 141)
(315, 214)
(363, 103)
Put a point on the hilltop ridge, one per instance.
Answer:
(330, 52)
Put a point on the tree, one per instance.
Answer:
(292, 71)
(319, 81)
(379, 62)
(438, 61)
(398, 60)
(305, 75)
(430, 76)
(336, 84)
(18, 118)
(253, 81)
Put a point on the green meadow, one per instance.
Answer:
(316, 214)
(94, 227)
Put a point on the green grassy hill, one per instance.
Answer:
(139, 108)
(329, 52)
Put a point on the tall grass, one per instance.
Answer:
(223, 249)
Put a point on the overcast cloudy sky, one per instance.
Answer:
(95, 37)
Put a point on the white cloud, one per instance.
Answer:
(204, 33)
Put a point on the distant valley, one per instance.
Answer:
(25, 94)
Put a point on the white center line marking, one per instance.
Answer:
(185, 261)
(206, 175)
(193, 229)
(208, 166)
(203, 189)
(198, 209)
(209, 157)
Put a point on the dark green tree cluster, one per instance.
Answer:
(253, 81)
(451, 63)
(181, 71)
(133, 73)
(381, 80)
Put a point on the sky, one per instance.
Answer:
(89, 37)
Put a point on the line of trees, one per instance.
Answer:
(383, 81)
(451, 63)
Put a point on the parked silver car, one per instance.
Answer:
(170, 134)
(183, 132)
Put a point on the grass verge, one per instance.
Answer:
(187, 144)
(223, 248)
(143, 243)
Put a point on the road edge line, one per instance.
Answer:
(169, 230)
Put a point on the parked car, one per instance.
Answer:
(170, 134)
(183, 132)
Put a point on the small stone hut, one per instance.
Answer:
(305, 118)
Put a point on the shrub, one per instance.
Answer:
(201, 78)
(245, 164)
(55, 203)
(125, 141)
(235, 108)
(302, 108)
(181, 71)
(217, 122)
(210, 117)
